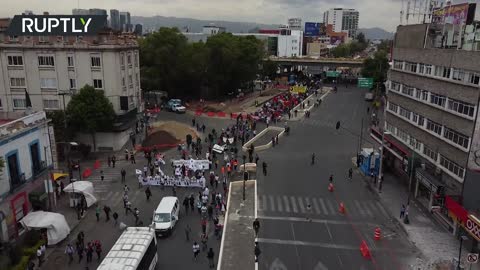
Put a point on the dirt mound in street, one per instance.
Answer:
(161, 140)
(178, 130)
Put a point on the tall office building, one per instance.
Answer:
(125, 23)
(97, 11)
(138, 29)
(114, 19)
(79, 11)
(342, 20)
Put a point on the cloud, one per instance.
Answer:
(373, 13)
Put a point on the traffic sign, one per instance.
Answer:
(365, 82)
(333, 74)
(472, 257)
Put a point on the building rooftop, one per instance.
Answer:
(9, 127)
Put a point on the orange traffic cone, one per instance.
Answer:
(330, 187)
(341, 209)
(377, 234)
(365, 250)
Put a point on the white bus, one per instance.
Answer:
(135, 249)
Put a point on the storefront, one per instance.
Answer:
(395, 157)
(464, 223)
(426, 188)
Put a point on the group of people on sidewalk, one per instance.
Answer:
(82, 250)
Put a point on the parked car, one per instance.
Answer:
(178, 108)
(172, 102)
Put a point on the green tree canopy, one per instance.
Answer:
(376, 67)
(269, 68)
(212, 69)
(90, 111)
(348, 49)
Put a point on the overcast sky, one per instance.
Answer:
(373, 13)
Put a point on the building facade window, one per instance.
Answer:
(95, 61)
(430, 153)
(404, 113)
(402, 135)
(408, 90)
(97, 84)
(70, 61)
(136, 59)
(415, 143)
(421, 120)
(458, 74)
(456, 137)
(48, 83)
(51, 104)
(415, 117)
(438, 99)
(123, 81)
(434, 126)
(452, 166)
(130, 81)
(15, 60)
(46, 61)
(395, 86)
(122, 59)
(424, 95)
(461, 107)
(393, 107)
(17, 82)
(137, 79)
(397, 64)
(390, 128)
(129, 59)
(421, 68)
(443, 72)
(473, 78)
(73, 84)
(19, 103)
(412, 67)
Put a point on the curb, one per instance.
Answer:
(220, 254)
(259, 135)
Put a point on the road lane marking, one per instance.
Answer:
(315, 206)
(302, 219)
(382, 209)
(301, 205)
(279, 204)
(324, 208)
(360, 209)
(326, 245)
(272, 203)
(299, 263)
(328, 230)
(365, 204)
(287, 206)
(294, 204)
(330, 206)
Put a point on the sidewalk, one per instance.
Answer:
(437, 245)
(238, 241)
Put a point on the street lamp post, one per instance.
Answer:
(462, 238)
(244, 172)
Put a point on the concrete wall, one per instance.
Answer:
(410, 36)
(105, 141)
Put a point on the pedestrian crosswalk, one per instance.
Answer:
(318, 206)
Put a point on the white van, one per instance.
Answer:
(166, 215)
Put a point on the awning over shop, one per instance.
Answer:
(56, 176)
(456, 209)
(56, 225)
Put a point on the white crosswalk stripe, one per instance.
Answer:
(279, 204)
(315, 206)
(324, 208)
(291, 204)
(294, 204)
(287, 206)
(272, 203)
(300, 205)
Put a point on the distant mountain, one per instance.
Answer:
(376, 33)
(194, 25)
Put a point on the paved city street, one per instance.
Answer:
(330, 240)
(174, 252)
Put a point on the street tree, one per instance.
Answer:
(269, 69)
(376, 67)
(90, 111)
(361, 38)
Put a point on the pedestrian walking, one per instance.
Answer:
(210, 257)
(126, 189)
(330, 178)
(186, 204)
(114, 159)
(128, 207)
(313, 159)
(192, 202)
(102, 176)
(256, 226)
(256, 159)
(136, 214)
(97, 212)
(115, 217)
(196, 250)
(89, 252)
(80, 253)
(402, 211)
(132, 158)
(69, 251)
(264, 165)
(109, 161)
(123, 173)
(39, 256)
(257, 251)
(107, 210)
(188, 230)
(126, 154)
(148, 193)
(350, 174)
(98, 249)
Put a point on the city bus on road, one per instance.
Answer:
(135, 249)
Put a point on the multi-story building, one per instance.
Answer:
(125, 23)
(290, 42)
(114, 19)
(342, 20)
(27, 148)
(432, 118)
(79, 11)
(295, 23)
(138, 29)
(47, 67)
